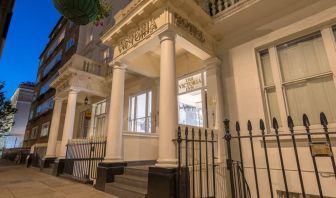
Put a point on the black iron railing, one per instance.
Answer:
(83, 157)
(318, 148)
(199, 175)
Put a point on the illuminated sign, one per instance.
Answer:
(190, 83)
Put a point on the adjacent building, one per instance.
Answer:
(21, 100)
(5, 19)
(163, 64)
(62, 44)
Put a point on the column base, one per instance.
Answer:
(106, 172)
(168, 163)
(47, 161)
(58, 167)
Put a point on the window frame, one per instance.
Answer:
(148, 118)
(42, 127)
(280, 84)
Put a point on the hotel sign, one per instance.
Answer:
(136, 36)
(190, 83)
(189, 27)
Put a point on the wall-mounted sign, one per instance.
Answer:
(189, 27)
(320, 149)
(190, 83)
(137, 35)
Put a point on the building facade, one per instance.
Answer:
(62, 44)
(170, 63)
(21, 100)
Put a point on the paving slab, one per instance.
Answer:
(21, 182)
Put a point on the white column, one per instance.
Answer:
(69, 121)
(54, 128)
(114, 144)
(93, 115)
(168, 102)
(215, 102)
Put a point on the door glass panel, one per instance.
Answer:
(190, 109)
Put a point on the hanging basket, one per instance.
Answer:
(80, 12)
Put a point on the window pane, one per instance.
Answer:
(149, 108)
(266, 67)
(302, 58)
(141, 106)
(190, 109)
(312, 97)
(273, 105)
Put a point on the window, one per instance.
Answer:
(56, 43)
(33, 135)
(52, 64)
(27, 135)
(70, 44)
(46, 86)
(31, 114)
(304, 74)
(44, 107)
(192, 100)
(100, 119)
(45, 129)
(140, 111)
(106, 55)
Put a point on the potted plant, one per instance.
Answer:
(83, 12)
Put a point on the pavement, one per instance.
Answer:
(21, 182)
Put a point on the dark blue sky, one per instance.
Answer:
(28, 34)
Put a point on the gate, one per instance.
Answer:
(319, 143)
(199, 175)
(40, 151)
(83, 157)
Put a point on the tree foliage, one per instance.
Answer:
(7, 111)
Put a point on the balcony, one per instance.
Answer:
(217, 7)
(83, 64)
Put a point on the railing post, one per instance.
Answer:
(213, 162)
(179, 141)
(241, 157)
(229, 160)
(249, 128)
(306, 123)
(276, 128)
(291, 129)
(324, 123)
(262, 128)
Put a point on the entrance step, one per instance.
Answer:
(133, 184)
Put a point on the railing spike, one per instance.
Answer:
(249, 125)
(323, 119)
(186, 131)
(237, 127)
(262, 124)
(305, 119)
(275, 123)
(290, 122)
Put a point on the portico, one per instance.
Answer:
(165, 47)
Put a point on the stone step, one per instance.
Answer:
(125, 191)
(132, 180)
(140, 171)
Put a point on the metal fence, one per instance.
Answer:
(40, 151)
(83, 157)
(199, 175)
(318, 147)
(18, 155)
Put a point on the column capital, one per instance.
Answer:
(73, 91)
(167, 35)
(119, 65)
(213, 61)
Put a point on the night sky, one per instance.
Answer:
(28, 34)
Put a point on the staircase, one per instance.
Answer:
(132, 184)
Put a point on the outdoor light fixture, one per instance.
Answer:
(86, 100)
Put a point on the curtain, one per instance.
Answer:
(266, 67)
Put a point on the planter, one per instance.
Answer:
(80, 12)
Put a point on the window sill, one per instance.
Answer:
(140, 134)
